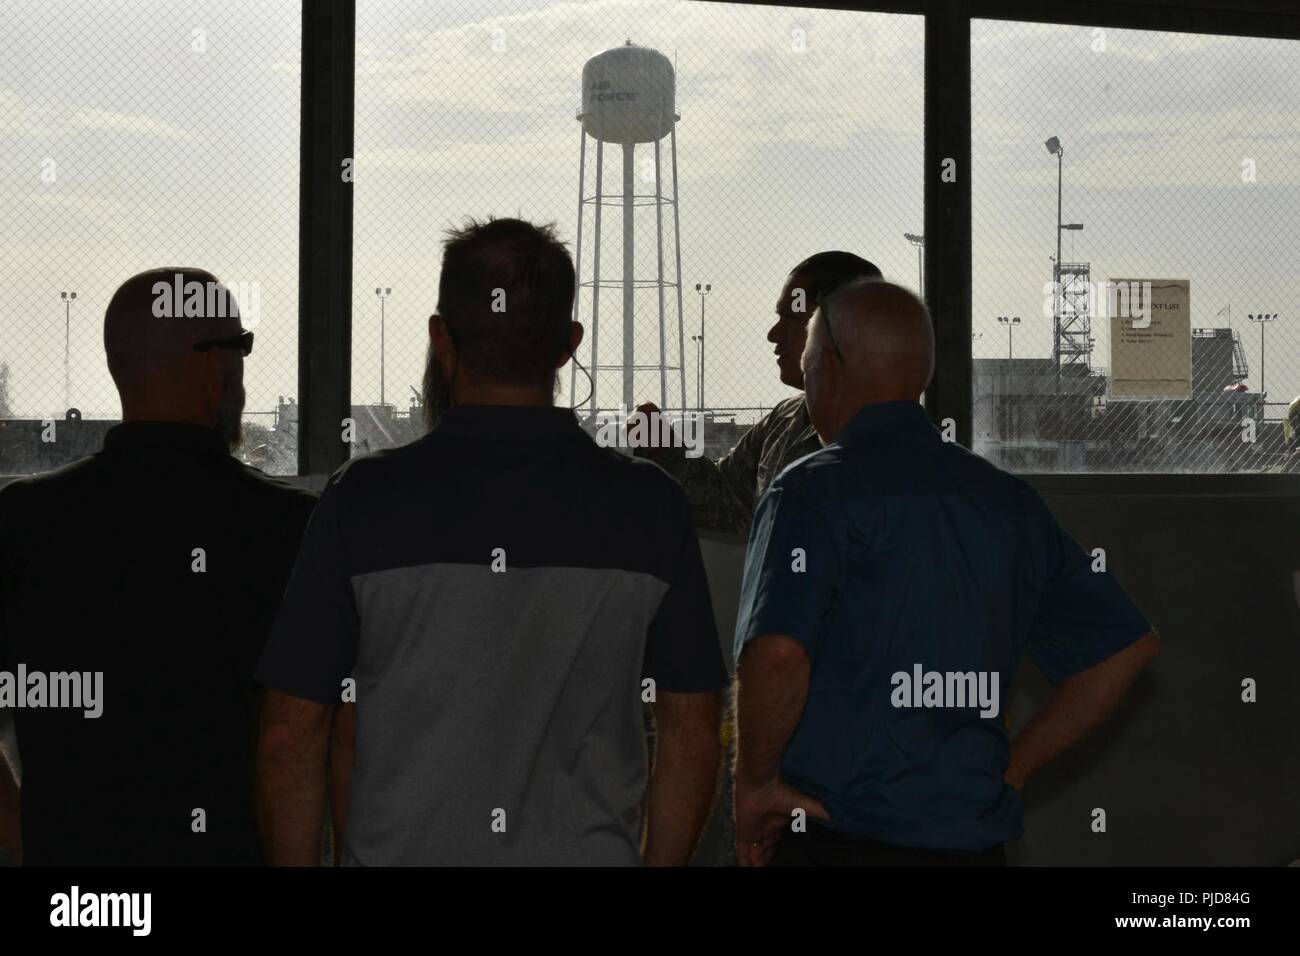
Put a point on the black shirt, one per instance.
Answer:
(100, 571)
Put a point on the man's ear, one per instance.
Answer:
(440, 336)
(216, 369)
(576, 332)
(832, 372)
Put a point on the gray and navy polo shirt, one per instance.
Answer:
(499, 590)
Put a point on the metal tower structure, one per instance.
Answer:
(628, 99)
(1074, 338)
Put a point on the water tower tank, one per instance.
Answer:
(628, 95)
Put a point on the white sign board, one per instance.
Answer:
(1150, 338)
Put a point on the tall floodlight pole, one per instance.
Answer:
(1263, 318)
(68, 298)
(703, 290)
(381, 294)
(1010, 321)
(919, 242)
(1055, 148)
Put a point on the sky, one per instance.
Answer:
(173, 132)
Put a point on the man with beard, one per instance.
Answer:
(159, 562)
(502, 597)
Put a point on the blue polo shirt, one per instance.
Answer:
(916, 575)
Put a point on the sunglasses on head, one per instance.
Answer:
(243, 341)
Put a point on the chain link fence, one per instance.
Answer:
(131, 142)
(134, 136)
(1134, 201)
(796, 131)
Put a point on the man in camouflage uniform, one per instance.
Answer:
(724, 492)
(1291, 431)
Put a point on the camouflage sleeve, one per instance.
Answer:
(721, 492)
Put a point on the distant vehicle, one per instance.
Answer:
(1239, 387)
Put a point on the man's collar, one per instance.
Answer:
(883, 415)
(536, 422)
(174, 436)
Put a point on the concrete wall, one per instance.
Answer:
(1186, 772)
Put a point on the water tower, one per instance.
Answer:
(629, 100)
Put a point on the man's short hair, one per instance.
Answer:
(506, 293)
(824, 272)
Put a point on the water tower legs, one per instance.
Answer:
(595, 274)
(677, 248)
(577, 268)
(659, 242)
(629, 280)
(592, 237)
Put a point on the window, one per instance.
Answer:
(1170, 342)
(471, 109)
(135, 136)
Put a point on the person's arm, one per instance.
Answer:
(771, 691)
(342, 747)
(1078, 705)
(11, 820)
(1087, 637)
(721, 492)
(311, 650)
(683, 663)
(783, 603)
(685, 775)
(11, 823)
(291, 778)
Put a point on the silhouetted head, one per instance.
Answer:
(504, 322)
(870, 341)
(152, 326)
(808, 282)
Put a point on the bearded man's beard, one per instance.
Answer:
(230, 414)
(435, 391)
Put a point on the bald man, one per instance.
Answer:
(893, 583)
(147, 575)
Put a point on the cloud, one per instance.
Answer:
(130, 123)
(17, 116)
(752, 78)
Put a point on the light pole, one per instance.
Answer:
(919, 242)
(703, 290)
(1055, 148)
(1263, 318)
(381, 294)
(68, 298)
(1010, 321)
